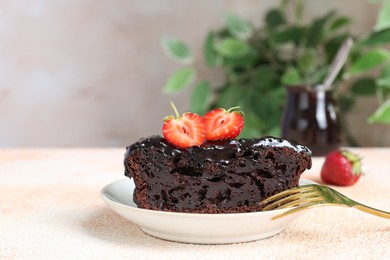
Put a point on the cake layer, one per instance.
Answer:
(228, 176)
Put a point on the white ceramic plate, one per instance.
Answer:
(195, 228)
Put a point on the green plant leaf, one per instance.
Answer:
(232, 48)
(284, 53)
(385, 71)
(369, 60)
(355, 55)
(383, 21)
(332, 45)
(339, 23)
(364, 87)
(382, 114)
(384, 77)
(299, 8)
(212, 58)
(377, 38)
(289, 34)
(383, 83)
(275, 132)
(201, 97)
(346, 103)
(180, 79)
(231, 96)
(177, 50)
(316, 31)
(245, 62)
(283, 5)
(266, 78)
(238, 27)
(383, 92)
(292, 77)
(274, 18)
(318, 76)
(252, 126)
(228, 96)
(267, 106)
(307, 62)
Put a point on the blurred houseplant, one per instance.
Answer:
(257, 62)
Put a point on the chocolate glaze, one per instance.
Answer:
(217, 177)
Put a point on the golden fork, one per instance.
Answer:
(314, 195)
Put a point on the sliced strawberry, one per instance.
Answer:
(223, 124)
(184, 131)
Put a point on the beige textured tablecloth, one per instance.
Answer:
(50, 208)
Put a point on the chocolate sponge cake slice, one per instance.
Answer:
(229, 176)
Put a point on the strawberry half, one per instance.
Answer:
(184, 131)
(223, 124)
(342, 168)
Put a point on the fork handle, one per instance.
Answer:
(376, 212)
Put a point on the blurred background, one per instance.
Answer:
(92, 72)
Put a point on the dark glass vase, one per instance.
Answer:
(310, 118)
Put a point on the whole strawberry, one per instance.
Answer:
(184, 131)
(342, 168)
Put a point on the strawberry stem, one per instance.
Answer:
(175, 109)
(233, 108)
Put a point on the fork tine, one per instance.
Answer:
(296, 190)
(302, 201)
(299, 208)
(293, 198)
